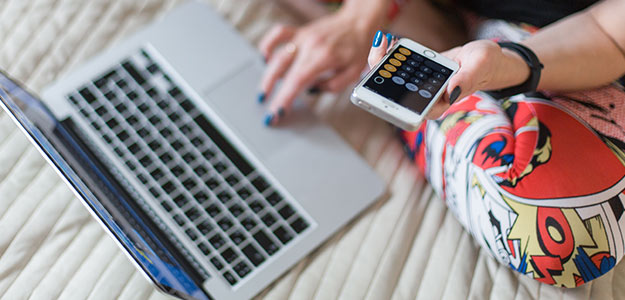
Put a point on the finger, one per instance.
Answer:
(378, 50)
(463, 83)
(437, 110)
(300, 76)
(276, 69)
(277, 35)
(341, 80)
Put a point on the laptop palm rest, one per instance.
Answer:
(305, 155)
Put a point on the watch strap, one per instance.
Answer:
(533, 63)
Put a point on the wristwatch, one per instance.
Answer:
(531, 83)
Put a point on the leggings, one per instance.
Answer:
(535, 184)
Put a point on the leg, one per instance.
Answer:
(533, 185)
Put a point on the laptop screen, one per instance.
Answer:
(64, 152)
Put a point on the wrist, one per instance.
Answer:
(512, 72)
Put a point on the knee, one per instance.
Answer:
(564, 250)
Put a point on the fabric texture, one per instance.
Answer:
(536, 186)
(405, 247)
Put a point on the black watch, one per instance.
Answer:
(535, 68)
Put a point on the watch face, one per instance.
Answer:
(409, 79)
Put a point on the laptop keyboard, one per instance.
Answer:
(218, 199)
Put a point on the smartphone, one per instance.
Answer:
(406, 83)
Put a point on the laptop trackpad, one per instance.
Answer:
(235, 101)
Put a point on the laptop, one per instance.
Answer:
(162, 140)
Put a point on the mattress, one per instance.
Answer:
(405, 247)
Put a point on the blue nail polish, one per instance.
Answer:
(261, 97)
(281, 112)
(377, 39)
(268, 119)
(389, 39)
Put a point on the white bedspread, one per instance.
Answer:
(407, 247)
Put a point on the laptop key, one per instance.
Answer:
(217, 263)
(217, 241)
(205, 227)
(200, 197)
(154, 145)
(229, 255)
(133, 72)
(174, 92)
(236, 210)
(177, 170)
(283, 235)
(168, 187)
(224, 196)
(253, 255)
(189, 183)
(230, 278)
(212, 183)
(260, 184)
(265, 242)
(191, 234)
(220, 167)
(87, 95)
(188, 157)
(181, 200)
(213, 210)
(200, 170)
(248, 223)
(204, 248)
(268, 219)
(286, 211)
(242, 269)
(232, 180)
(193, 213)
(256, 206)
(225, 224)
(244, 192)
(299, 225)
(142, 179)
(154, 192)
(274, 198)
(166, 206)
(237, 237)
(179, 220)
(157, 174)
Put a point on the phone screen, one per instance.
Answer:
(409, 79)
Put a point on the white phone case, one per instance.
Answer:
(389, 110)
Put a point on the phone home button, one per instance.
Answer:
(429, 53)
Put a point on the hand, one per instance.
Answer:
(483, 66)
(328, 53)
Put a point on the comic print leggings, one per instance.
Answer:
(533, 179)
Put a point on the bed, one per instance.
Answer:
(405, 247)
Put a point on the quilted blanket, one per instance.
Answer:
(405, 247)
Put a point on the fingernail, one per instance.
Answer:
(454, 95)
(281, 112)
(268, 119)
(261, 97)
(314, 90)
(389, 39)
(377, 39)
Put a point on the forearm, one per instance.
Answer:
(368, 15)
(583, 50)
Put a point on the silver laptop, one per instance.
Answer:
(161, 138)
